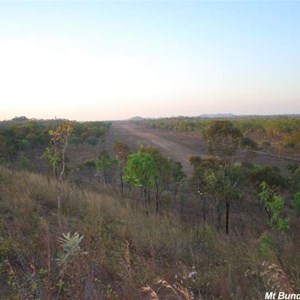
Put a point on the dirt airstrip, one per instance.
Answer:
(178, 146)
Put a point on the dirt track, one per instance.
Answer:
(174, 145)
(177, 146)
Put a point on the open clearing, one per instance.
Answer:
(178, 146)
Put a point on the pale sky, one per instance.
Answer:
(107, 60)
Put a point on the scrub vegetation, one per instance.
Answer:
(84, 215)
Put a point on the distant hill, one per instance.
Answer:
(136, 118)
(212, 116)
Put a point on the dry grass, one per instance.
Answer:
(122, 250)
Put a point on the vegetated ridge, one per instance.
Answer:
(83, 215)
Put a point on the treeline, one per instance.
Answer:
(22, 135)
(285, 129)
(89, 132)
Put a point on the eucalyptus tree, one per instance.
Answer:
(121, 153)
(177, 177)
(224, 178)
(273, 205)
(223, 139)
(217, 186)
(149, 169)
(107, 167)
(140, 171)
(203, 182)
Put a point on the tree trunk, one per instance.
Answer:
(145, 197)
(121, 179)
(175, 194)
(204, 210)
(156, 201)
(227, 216)
(219, 216)
(149, 197)
(59, 206)
(219, 213)
(122, 186)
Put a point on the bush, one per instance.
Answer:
(296, 204)
(268, 174)
(92, 140)
(25, 163)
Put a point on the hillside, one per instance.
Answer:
(123, 252)
(101, 210)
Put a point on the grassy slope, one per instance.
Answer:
(122, 249)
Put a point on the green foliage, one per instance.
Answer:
(247, 143)
(76, 140)
(105, 163)
(107, 166)
(292, 140)
(22, 137)
(285, 128)
(267, 244)
(25, 163)
(92, 140)
(149, 169)
(24, 144)
(268, 174)
(56, 151)
(224, 139)
(218, 183)
(141, 170)
(177, 171)
(89, 132)
(70, 247)
(205, 237)
(274, 205)
(292, 167)
(26, 135)
(164, 172)
(296, 204)
(7, 246)
(294, 178)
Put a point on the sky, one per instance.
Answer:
(110, 60)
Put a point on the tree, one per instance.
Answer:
(296, 204)
(203, 183)
(168, 172)
(212, 181)
(230, 180)
(273, 204)
(56, 155)
(177, 176)
(107, 165)
(148, 168)
(267, 174)
(223, 139)
(121, 152)
(140, 171)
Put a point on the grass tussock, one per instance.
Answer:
(110, 249)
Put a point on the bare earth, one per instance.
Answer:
(178, 146)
